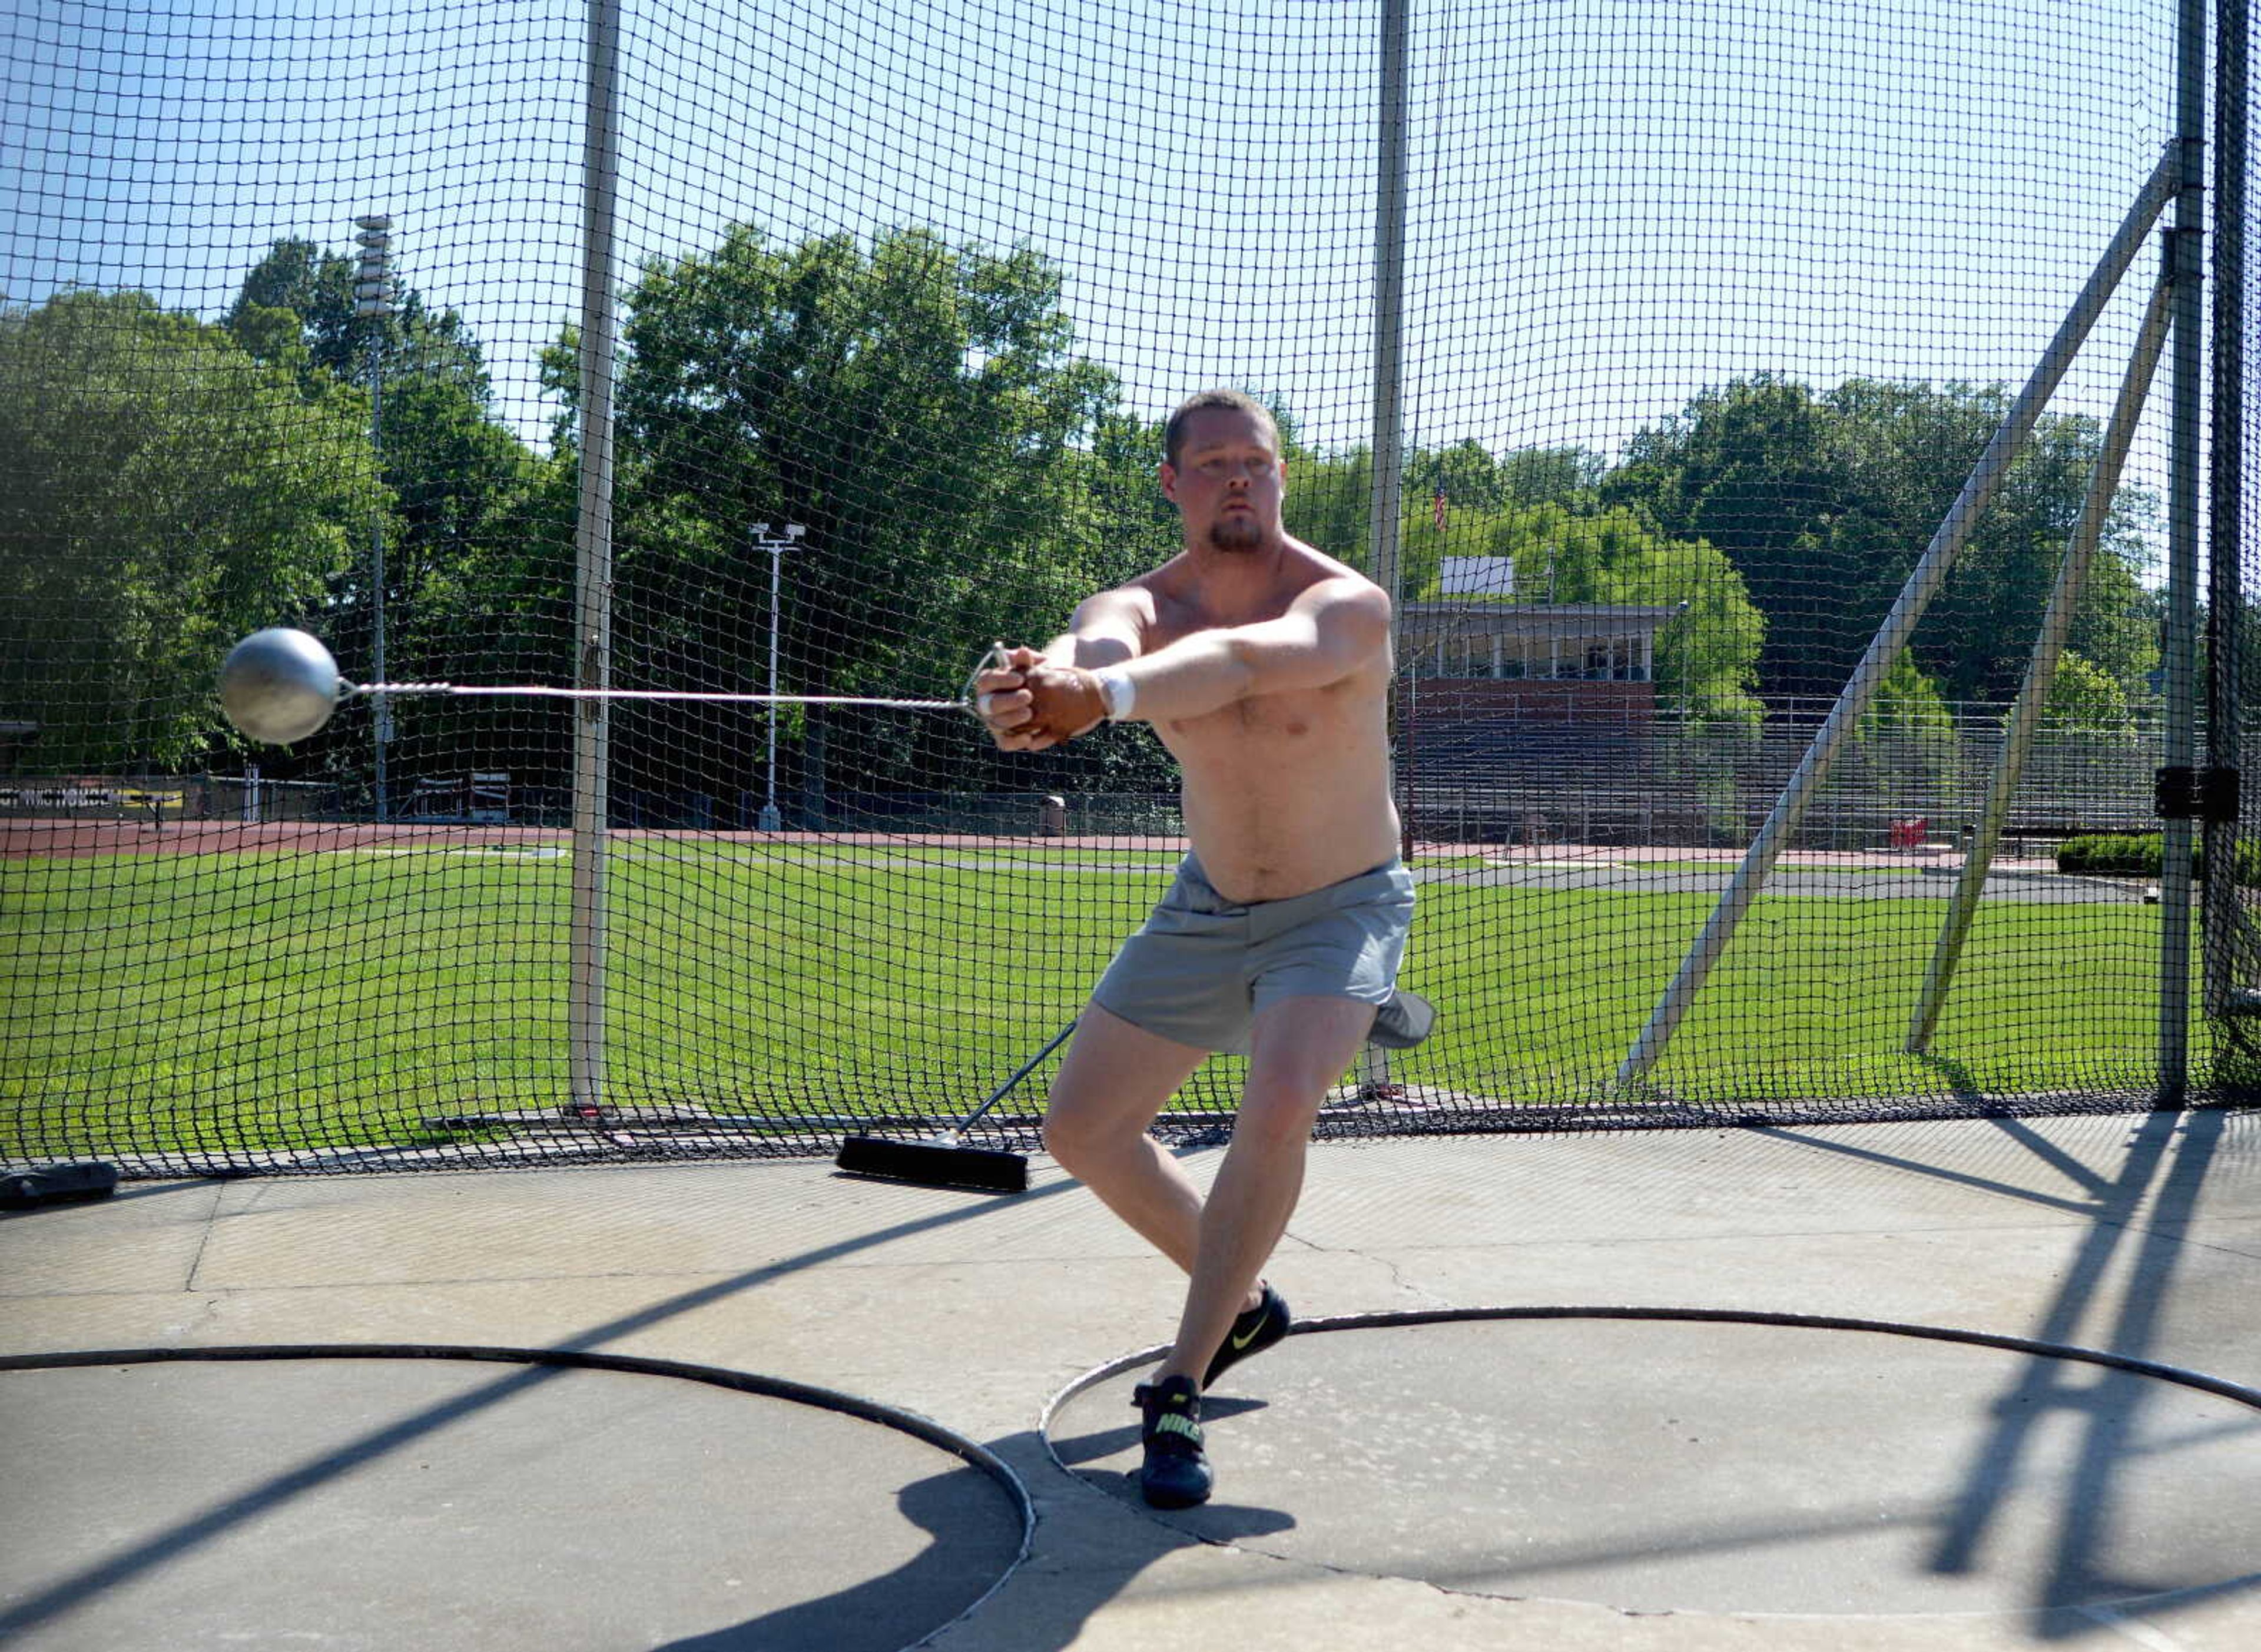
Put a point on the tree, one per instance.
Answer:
(296, 308)
(1906, 706)
(1908, 449)
(470, 552)
(919, 408)
(1824, 504)
(1328, 502)
(1540, 508)
(167, 494)
(1907, 734)
(2085, 699)
(1752, 470)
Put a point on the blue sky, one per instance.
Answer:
(1613, 203)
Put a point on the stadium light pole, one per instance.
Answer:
(373, 301)
(775, 544)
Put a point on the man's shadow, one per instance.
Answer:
(972, 1558)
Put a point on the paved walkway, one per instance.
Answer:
(759, 1405)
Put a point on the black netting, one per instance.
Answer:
(1709, 310)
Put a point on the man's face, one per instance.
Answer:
(1227, 481)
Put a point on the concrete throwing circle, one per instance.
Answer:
(433, 1497)
(1683, 1460)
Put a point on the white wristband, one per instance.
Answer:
(1116, 689)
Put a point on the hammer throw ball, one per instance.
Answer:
(278, 686)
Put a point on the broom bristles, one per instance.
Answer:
(935, 1164)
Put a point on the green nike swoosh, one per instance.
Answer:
(1240, 1342)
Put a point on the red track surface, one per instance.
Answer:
(22, 839)
(70, 839)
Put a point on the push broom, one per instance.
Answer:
(944, 1160)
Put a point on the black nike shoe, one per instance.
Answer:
(1175, 1474)
(1403, 1022)
(1253, 1332)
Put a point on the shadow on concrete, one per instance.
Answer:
(2097, 1189)
(884, 1613)
(2166, 1163)
(124, 1192)
(216, 1521)
(1038, 1620)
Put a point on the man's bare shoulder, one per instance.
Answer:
(1178, 585)
(1132, 598)
(1314, 566)
(1117, 623)
(1321, 586)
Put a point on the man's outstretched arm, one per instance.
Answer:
(1105, 631)
(1330, 631)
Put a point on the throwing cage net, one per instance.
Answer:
(1794, 433)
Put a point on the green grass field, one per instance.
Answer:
(226, 1002)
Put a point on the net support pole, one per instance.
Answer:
(593, 550)
(2225, 499)
(1389, 305)
(1923, 583)
(1388, 364)
(2184, 436)
(2040, 670)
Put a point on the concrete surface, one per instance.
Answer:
(1642, 1464)
(404, 1503)
(1566, 1485)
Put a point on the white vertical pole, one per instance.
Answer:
(592, 549)
(2040, 670)
(1923, 583)
(1388, 367)
(1389, 303)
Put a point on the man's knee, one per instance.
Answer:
(1277, 1112)
(1064, 1137)
(1076, 1137)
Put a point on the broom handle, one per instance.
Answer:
(1026, 1067)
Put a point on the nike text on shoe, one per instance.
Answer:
(1253, 1332)
(1175, 1474)
(1403, 1022)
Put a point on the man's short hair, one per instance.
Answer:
(1173, 431)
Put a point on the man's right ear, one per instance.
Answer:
(1166, 474)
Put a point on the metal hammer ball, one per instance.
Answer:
(278, 686)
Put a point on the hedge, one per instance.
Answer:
(2139, 853)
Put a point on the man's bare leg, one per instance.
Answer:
(1114, 1081)
(1298, 1047)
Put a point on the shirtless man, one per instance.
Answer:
(1264, 667)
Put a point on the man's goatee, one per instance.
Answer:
(1235, 533)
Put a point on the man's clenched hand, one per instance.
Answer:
(1031, 705)
(1065, 700)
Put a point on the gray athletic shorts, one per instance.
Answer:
(1202, 967)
